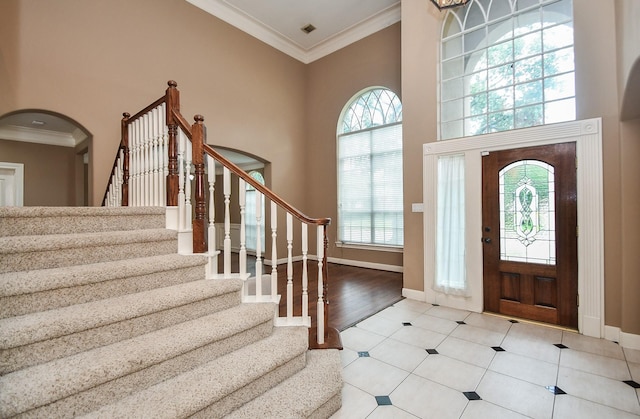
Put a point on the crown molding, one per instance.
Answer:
(37, 135)
(253, 27)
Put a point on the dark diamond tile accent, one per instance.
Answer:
(383, 401)
(363, 354)
(632, 383)
(436, 305)
(460, 322)
(561, 346)
(514, 321)
(555, 390)
(432, 352)
(498, 348)
(472, 395)
(407, 324)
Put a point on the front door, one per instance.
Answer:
(529, 233)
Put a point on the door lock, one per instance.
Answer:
(486, 239)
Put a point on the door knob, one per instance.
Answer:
(486, 240)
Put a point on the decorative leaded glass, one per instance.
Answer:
(527, 212)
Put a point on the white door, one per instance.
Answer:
(11, 184)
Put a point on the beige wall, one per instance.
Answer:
(49, 172)
(92, 60)
(332, 82)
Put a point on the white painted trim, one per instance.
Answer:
(588, 137)
(37, 135)
(413, 294)
(372, 247)
(18, 177)
(362, 264)
(626, 340)
(258, 30)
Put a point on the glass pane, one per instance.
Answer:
(500, 76)
(476, 61)
(560, 111)
(501, 99)
(527, 45)
(451, 129)
(475, 40)
(528, 93)
(500, 31)
(528, 69)
(476, 104)
(451, 110)
(527, 22)
(475, 125)
(557, 12)
(500, 121)
(500, 53)
(499, 8)
(452, 68)
(559, 87)
(523, 4)
(558, 36)
(452, 48)
(477, 82)
(475, 16)
(529, 116)
(452, 89)
(527, 232)
(451, 26)
(559, 61)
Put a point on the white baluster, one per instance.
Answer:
(131, 167)
(305, 277)
(145, 159)
(165, 155)
(258, 245)
(226, 182)
(134, 185)
(211, 178)
(242, 200)
(320, 320)
(274, 251)
(289, 266)
(155, 131)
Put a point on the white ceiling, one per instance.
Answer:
(40, 127)
(278, 22)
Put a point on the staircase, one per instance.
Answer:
(100, 317)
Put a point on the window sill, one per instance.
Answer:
(374, 247)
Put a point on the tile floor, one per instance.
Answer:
(415, 360)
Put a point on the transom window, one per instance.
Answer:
(370, 170)
(506, 64)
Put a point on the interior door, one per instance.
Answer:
(529, 237)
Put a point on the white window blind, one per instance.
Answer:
(370, 202)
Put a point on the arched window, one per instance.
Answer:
(506, 64)
(251, 221)
(370, 170)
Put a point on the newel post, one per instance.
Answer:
(124, 144)
(173, 105)
(325, 283)
(198, 133)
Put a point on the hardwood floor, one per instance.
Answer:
(354, 293)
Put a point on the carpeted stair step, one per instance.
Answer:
(23, 253)
(84, 382)
(31, 221)
(218, 387)
(44, 336)
(46, 289)
(314, 392)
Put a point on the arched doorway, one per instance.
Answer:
(55, 153)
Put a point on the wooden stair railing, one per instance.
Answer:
(153, 167)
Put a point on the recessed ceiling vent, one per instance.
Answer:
(308, 28)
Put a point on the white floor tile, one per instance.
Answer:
(478, 335)
(466, 351)
(375, 377)
(599, 389)
(390, 412)
(536, 332)
(413, 305)
(398, 314)
(531, 347)
(632, 355)
(517, 395)
(489, 322)
(449, 313)
(595, 364)
(380, 325)
(450, 372)
(524, 368)
(567, 406)
(435, 324)
(426, 399)
(355, 403)
(399, 354)
(481, 409)
(635, 371)
(347, 356)
(359, 339)
(422, 338)
(592, 345)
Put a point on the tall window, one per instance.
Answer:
(370, 170)
(251, 214)
(506, 64)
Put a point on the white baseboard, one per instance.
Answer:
(626, 340)
(413, 294)
(370, 265)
